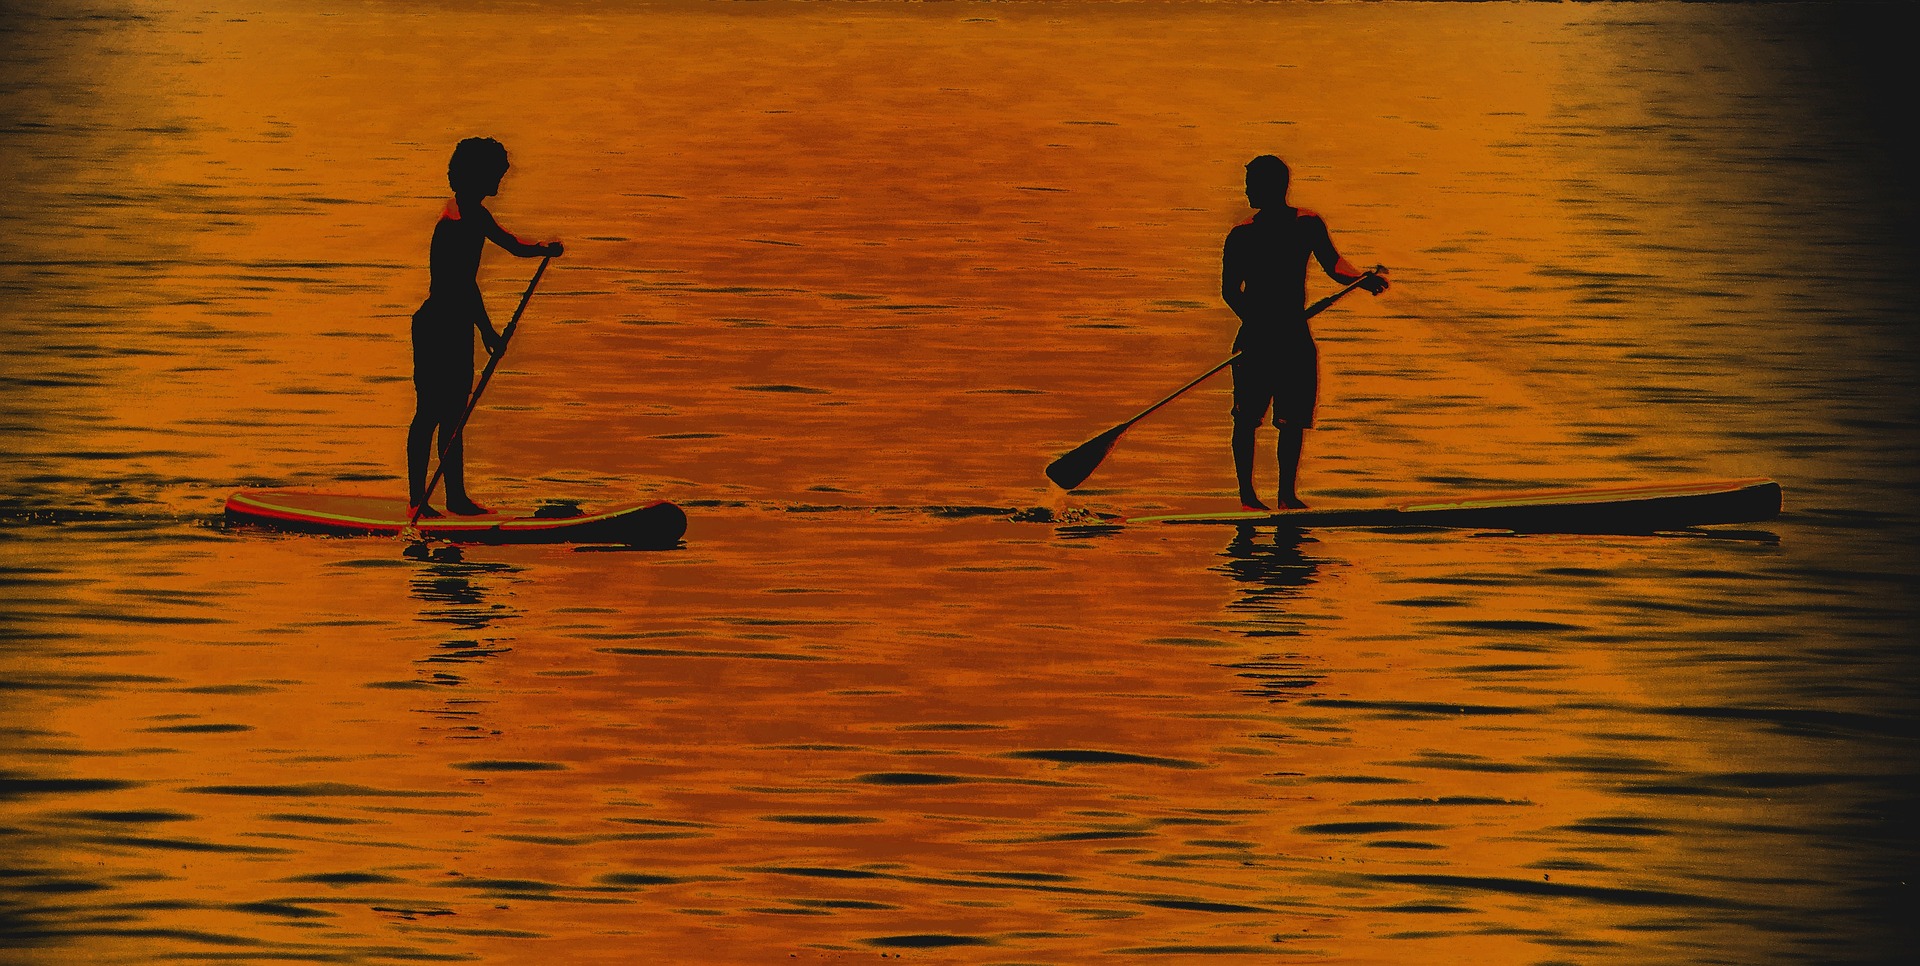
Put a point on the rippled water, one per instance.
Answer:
(841, 279)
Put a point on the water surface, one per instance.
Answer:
(841, 279)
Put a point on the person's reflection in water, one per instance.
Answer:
(1273, 571)
(1273, 568)
(459, 593)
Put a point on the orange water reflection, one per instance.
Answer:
(842, 279)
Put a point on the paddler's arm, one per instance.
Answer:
(514, 243)
(1233, 277)
(1337, 267)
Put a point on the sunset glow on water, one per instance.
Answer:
(840, 280)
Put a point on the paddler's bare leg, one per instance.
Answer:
(1243, 465)
(456, 475)
(419, 447)
(1291, 440)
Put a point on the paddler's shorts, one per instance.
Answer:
(1285, 380)
(442, 356)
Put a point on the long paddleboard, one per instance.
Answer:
(655, 524)
(1626, 509)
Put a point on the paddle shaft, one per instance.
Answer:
(1312, 310)
(473, 401)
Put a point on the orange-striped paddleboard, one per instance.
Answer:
(654, 524)
(1625, 509)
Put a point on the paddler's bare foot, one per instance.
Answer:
(425, 512)
(1250, 502)
(466, 508)
(1291, 503)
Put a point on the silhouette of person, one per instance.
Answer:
(1263, 279)
(444, 325)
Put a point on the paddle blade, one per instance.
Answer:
(1073, 469)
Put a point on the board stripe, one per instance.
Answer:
(655, 522)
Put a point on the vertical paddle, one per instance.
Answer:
(493, 362)
(1073, 469)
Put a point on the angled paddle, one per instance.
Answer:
(1073, 469)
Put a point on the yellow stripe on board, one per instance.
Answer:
(1580, 497)
(493, 521)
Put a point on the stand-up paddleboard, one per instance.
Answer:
(655, 524)
(1628, 509)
